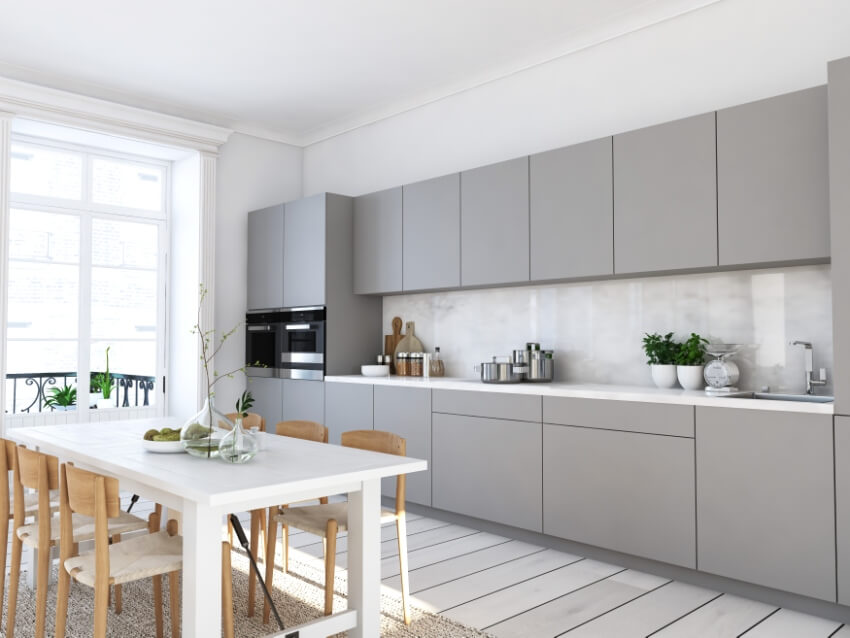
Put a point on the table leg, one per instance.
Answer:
(201, 571)
(364, 558)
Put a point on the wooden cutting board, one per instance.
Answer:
(410, 342)
(391, 341)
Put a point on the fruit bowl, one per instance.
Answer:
(163, 447)
(375, 371)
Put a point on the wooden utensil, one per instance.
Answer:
(409, 343)
(391, 341)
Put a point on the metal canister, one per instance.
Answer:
(531, 345)
(417, 364)
(541, 367)
(402, 364)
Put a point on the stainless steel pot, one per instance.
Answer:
(496, 371)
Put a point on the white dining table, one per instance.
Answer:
(287, 470)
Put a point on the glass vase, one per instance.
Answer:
(202, 434)
(239, 445)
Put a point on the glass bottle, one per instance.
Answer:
(437, 366)
(202, 434)
(239, 445)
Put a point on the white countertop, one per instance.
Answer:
(591, 391)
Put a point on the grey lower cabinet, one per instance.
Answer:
(665, 197)
(303, 400)
(268, 399)
(572, 211)
(431, 234)
(494, 224)
(773, 179)
(265, 258)
(377, 242)
(407, 412)
(842, 506)
(348, 406)
(488, 468)
(766, 498)
(625, 491)
(304, 252)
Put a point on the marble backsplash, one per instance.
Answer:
(595, 328)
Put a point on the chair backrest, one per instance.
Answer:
(307, 430)
(379, 441)
(38, 471)
(253, 420)
(7, 464)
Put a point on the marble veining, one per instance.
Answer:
(595, 328)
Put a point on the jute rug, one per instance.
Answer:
(299, 596)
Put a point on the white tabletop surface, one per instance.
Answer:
(591, 391)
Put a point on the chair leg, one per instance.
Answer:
(271, 540)
(330, 565)
(157, 604)
(64, 589)
(41, 589)
(264, 531)
(4, 546)
(252, 577)
(285, 547)
(14, 580)
(101, 607)
(119, 606)
(229, 531)
(226, 591)
(174, 599)
(401, 531)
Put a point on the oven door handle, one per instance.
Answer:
(297, 326)
(266, 328)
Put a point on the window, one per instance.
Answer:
(86, 273)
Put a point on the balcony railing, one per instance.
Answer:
(30, 389)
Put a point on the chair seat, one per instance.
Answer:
(135, 558)
(83, 528)
(31, 502)
(314, 518)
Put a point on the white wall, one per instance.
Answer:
(251, 173)
(729, 53)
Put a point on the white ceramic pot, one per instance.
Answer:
(691, 377)
(664, 376)
(105, 404)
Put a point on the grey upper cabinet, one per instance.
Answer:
(773, 179)
(572, 212)
(348, 406)
(265, 258)
(494, 224)
(431, 234)
(665, 197)
(303, 401)
(304, 252)
(765, 498)
(842, 505)
(377, 242)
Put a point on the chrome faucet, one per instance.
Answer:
(811, 382)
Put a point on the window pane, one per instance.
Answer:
(42, 356)
(116, 243)
(44, 237)
(46, 172)
(126, 184)
(123, 304)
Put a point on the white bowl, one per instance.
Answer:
(163, 447)
(375, 371)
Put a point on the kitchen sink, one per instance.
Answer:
(777, 396)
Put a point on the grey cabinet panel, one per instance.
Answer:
(348, 406)
(499, 405)
(773, 179)
(628, 492)
(572, 211)
(304, 252)
(265, 258)
(494, 223)
(488, 468)
(842, 505)
(631, 416)
(377, 242)
(431, 231)
(303, 400)
(839, 196)
(268, 399)
(407, 412)
(665, 197)
(765, 498)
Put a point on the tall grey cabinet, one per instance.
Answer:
(665, 197)
(842, 506)
(303, 401)
(304, 252)
(265, 258)
(572, 211)
(773, 180)
(377, 241)
(494, 224)
(348, 406)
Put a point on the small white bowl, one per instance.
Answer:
(163, 447)
(375, 371)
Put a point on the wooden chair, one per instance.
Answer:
(39, 471)
(253, 420)
(85, 493)
(327, 520)
(308, 431)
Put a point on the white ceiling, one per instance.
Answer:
(300, 70)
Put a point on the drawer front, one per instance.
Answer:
(628, 416)
(496, 405)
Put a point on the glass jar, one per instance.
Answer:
(402, 364)
(202, 434)
(436, 365)
(238, 445)
(416, 365)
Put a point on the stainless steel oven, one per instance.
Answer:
(263, 343)
(302, 353)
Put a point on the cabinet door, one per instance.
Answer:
(303, 400)
(665, 197)
(407, 412)
(488, 468)
(268, 397)
(773, 180)
(265, 258)
(842, 505)
(304, 253)
(572, 212)
(377, 242)
(765, 498)
(494, 224)
(348, 406)
(431, 245)
(624, 491)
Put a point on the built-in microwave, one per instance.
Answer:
(302, 335)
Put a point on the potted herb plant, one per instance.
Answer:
(661, 353)
(62, 399)
(102, 383)
(690, 362)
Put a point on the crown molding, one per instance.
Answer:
(53, 105)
